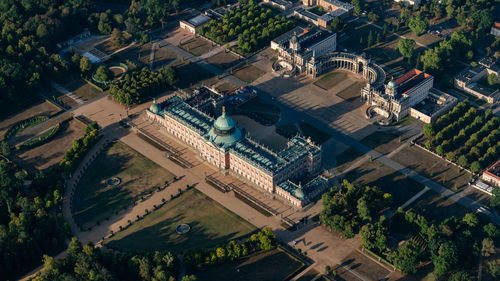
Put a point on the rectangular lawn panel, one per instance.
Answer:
(347, 158)
(353, 92)
(433, 167)
(331, 79)
(373, 173)
(95, 200)
(197, 46)
(270, 265)
(316, 135)
(260, 105)
(223, 60)
(82, 89)
(248, 73)
(437, 208)
(190, 74)
(384, 141)
(210, 224)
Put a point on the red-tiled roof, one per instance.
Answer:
(411, 79)
(496, 25)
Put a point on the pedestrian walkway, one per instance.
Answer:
(63, 91)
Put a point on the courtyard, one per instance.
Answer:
(210, 224)
(95, 200)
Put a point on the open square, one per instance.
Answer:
(95, 201)
(210, 224)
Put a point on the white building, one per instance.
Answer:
(495, 29)
(410, 2)
(194, 24)
(282, 4)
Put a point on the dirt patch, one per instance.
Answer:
(51, 153)
(384, 141)
(197, 46)
(43, 108)
(107, 46)
(226, 87)
(163, 56)
(223, 60)
(248, 73)
(347, 158)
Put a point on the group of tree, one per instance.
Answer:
(79, 148)
(254, 26)
(457, 47)
(347, 207)
(465, 135)
(30, 31)
(454, 244)
(140, 85)
(31, 223)
(89, 263)
(262, 241)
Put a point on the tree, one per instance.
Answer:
(493, 269)
(491, 230)
(488, 247)
(85, 64)
(369, 40)
(459, 276)
(406, 257)
(363, 210)
(372, 16)
(103, 74)
(445, 258)
(337, 24)
(470, 219)
(405, 47)
(475, 167)
(361, 42)
(418, 25)
(357, 7)
(189, 278)
(431, 61)
(5, 148)
(492, 79)
(117, 38)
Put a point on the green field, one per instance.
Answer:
(210, 223)
(331, 79)
(95, 201)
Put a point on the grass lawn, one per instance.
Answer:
(433, 167)
(364, 266)
(384, 141)
(95, 201)
(287, 130)
(190, 74)
(316, 135)
(248, 73)
(353, 92)
(261, 105)
(347, 158)
(163, 56)
(197, 46)
(437, 208)
(270, 265)
(223, 60)
(226, 87)
(82, 89)
(331, 79)
(372, 173)
(210, 223)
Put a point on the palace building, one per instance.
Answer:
(222, 143)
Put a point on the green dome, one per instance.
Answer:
(299, 193)
(224, 132)
(391, 84)
(154, 107)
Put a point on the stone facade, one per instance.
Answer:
(223, 144)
